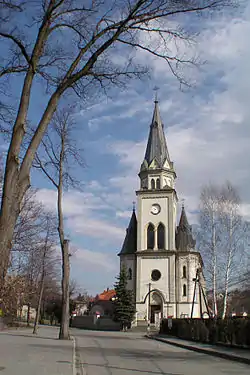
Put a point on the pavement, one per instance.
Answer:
(128, 353)
(103, 353)
(22, 353)
(231, 353)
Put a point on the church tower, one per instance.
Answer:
(161, 259)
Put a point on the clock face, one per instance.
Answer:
(155, 209)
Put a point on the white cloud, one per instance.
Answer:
(104, 230)
(83, 211)
(95, 259)
(209, 134)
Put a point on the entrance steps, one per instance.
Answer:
(143, 328)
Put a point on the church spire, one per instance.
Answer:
(184, 236)
(130, 243)
(157, 147)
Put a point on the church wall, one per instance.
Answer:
(145, 217)
(172, 286)
(129, 262)
(191, 262)
(144, 268)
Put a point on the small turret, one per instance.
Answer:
(184, 237)
(130, 242)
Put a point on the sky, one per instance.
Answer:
(207, 131)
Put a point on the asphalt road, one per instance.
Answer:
(119, 353)
(22, 353)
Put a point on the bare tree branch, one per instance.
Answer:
(72, 47)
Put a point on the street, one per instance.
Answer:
(22, 353)
(103, 353)
(120, 353)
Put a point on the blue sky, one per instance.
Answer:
(207, 130)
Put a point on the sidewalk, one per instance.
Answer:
(23, 353)
(233, 354)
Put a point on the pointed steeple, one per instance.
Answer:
(157, 146)
(184, 236)
(130, 243)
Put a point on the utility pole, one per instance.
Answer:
(195, 280)
(149, 292)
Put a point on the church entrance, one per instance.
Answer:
(155, 309)
(154, 313)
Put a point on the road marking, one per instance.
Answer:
(74, 356)
(76, 363)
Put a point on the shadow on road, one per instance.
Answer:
(141, 354)
(111, 336)
(133, 370)
(29, 336)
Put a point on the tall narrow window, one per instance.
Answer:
(150, 236)
(153, 184)
(184, 272)
(130, 274)
(184, 290)
(161, 236)
(158, 184)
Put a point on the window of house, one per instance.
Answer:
(158, 184)
(153, 184)
(150, 236)
(161, 236)
(184, 272)
(130, 274)
(184, 290)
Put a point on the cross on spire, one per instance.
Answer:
(156, 93)
(134, 206)
(183, 202)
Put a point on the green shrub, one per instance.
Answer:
(228, 331)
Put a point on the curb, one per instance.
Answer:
(227, 356)
(77, 365)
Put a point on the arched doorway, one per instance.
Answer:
(156, 308)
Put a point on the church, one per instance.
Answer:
(160, 257)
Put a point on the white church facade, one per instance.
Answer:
(160, 257)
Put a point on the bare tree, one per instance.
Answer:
(27, 231)
(223, 237)
(57, 161)
(233, 240)
(208, 235)
(48, 260)
(72, 46)
(73, 288)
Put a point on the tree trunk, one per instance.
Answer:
(64, 325)
(28, 315)
(228, 267)
(9, 214)
(39, 305)
(215, 309)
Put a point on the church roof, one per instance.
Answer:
(130, 243)
(157, 146)
(184, 237)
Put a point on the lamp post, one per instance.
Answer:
(149, 312)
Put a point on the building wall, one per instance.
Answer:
(129, 261)
(145, 265)
(167, 202)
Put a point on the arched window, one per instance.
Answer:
(129, 274)
(184, 272)
(158, 184)
(150, 236)
(161, 236)
(184, 290)
(153, 184)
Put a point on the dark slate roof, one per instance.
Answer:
(157, 146)
(184, 238)
(130, 243)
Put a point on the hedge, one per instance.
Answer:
(231, 331)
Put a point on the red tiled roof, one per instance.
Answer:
(106, 295)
